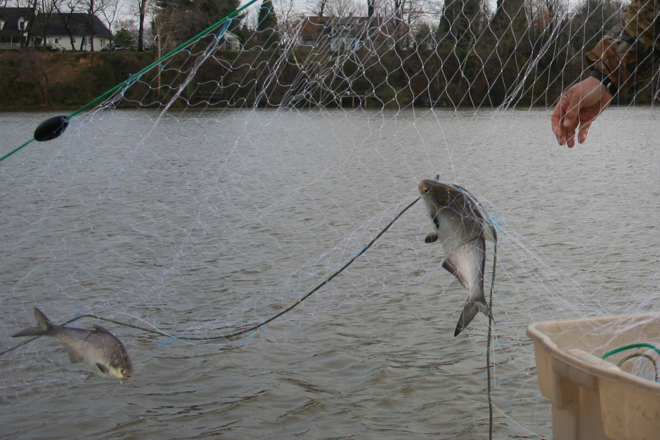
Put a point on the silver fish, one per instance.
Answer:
(97, 349)
(462, 231)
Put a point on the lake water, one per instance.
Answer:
(204, 222)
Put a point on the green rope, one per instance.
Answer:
(629, 347)
(136, 76)
(15, 150)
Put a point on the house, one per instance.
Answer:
(13, 26)
(230, 41)
(351, 33)
(71, 31)
(67, 31)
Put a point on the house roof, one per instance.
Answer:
(55, 23)
(77, 23)
(231, 36)
(11, 17)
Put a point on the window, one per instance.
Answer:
(21, 25)
(2, 24)
(57, 40)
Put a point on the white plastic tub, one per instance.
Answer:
(592, 398)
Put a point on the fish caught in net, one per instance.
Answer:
(188, 208)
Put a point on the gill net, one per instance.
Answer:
(217, 186)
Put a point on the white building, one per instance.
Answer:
(69, 31)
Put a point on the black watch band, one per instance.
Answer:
(607, 82)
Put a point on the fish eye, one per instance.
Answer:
(425, 190)
(122, 371)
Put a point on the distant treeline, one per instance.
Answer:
(524, 67)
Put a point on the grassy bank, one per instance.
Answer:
(393, 78)
(33, 80)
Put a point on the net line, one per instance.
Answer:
(237, 333)
(335, 89)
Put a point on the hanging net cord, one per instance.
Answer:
(645, 356)
(492, 224)
(236, 334)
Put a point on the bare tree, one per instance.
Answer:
(287, 17)
(166, 26)
(23, 3)
(142, 13)
(45, 13)
(91, 8)
(424, 36)
(417, 15)
(319, 9)
(65, 11)
(339, 8)
(31, 20)
(111, 13)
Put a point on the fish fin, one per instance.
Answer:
(103, 368)
(469, 312)
(44, 322)
(30, 331)
(99, 328)
(431, 237)
(73, 356)
(489, 232)
(43, 329)
(453, 269)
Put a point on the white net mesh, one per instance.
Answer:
(217, 187)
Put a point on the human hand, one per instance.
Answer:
(579, 106)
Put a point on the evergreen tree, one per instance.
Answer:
(267, 27)
(183, 19)
(591, 22)
(124, 38)
(461, 22)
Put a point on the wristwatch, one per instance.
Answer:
(607, 82)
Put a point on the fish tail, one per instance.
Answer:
(469, 312)
(45, 327)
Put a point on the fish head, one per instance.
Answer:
(450, 205)
(109, 357)
(440, 197)
(119, 366)
(437, 195)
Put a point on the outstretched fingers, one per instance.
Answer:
(577, 108)
(565, 117)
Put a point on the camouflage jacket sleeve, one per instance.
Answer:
(625, 54)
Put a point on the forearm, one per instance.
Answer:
(624, 56)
